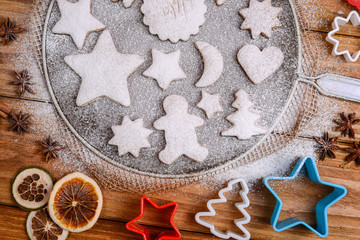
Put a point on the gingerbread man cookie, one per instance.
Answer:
(180, 133)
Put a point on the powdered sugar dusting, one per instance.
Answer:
(93, 122)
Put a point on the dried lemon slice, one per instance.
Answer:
(75, 202)
(40, 226)
(31, 188)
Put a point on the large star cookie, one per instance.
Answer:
(210, 104)
(165, 68)
(104, 72)
(76, 21)
(130, 136)
(260, 17)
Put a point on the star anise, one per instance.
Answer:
(326, 146)
(9, 31)
(354, 153)
(20, 122)
(50, 148)
(23, 80)
(345, 124)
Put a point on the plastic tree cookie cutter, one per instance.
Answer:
(354, 18)
(355, 3)
(308, 164)
(240, 205)
(173, 234)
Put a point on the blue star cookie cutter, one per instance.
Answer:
(308, 164)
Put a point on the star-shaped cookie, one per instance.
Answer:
(104, 72)
(165, 68)
(130, 136)
(210, 104)
(260, 18)
(77, 21)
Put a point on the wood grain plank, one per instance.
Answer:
(120, 207)
(13, 220)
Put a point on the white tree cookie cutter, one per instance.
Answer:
(354, 18)
(239, 205)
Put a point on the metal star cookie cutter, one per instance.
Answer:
(306, 163)
(239, 205)
(354, 18)
(173, 234)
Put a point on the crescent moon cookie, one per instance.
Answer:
(180, 131)
(257, 64)
(213, 64)
(174, 20)
(260, 18)
(104, 72)
(76, 21)
(165, 68)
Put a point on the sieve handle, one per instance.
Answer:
(337, 86)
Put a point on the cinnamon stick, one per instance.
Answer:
(4, 115)
(4, 111)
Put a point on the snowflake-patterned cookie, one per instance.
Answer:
(130, 136)
(260, 18)
(174, 19)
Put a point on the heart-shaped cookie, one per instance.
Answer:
(258, 64)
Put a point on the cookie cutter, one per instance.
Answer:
(355, 3)
(354, 18)
(307, 164)
(144, 231)
(240, 206)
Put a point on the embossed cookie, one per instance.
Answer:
(174, 20)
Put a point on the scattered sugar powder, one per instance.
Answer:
(93, 122)
(277, 164)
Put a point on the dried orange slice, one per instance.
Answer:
(40, 226)
(75, 202)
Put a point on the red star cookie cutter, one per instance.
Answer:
(173, 234)
(355, 3)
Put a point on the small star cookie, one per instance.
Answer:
(77, 21)
(260, 18)
(104, 72)
(130, 136)
(210, 104)
(165, 68)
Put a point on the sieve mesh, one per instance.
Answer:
(301, 109)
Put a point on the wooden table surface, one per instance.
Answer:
(120, 207)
